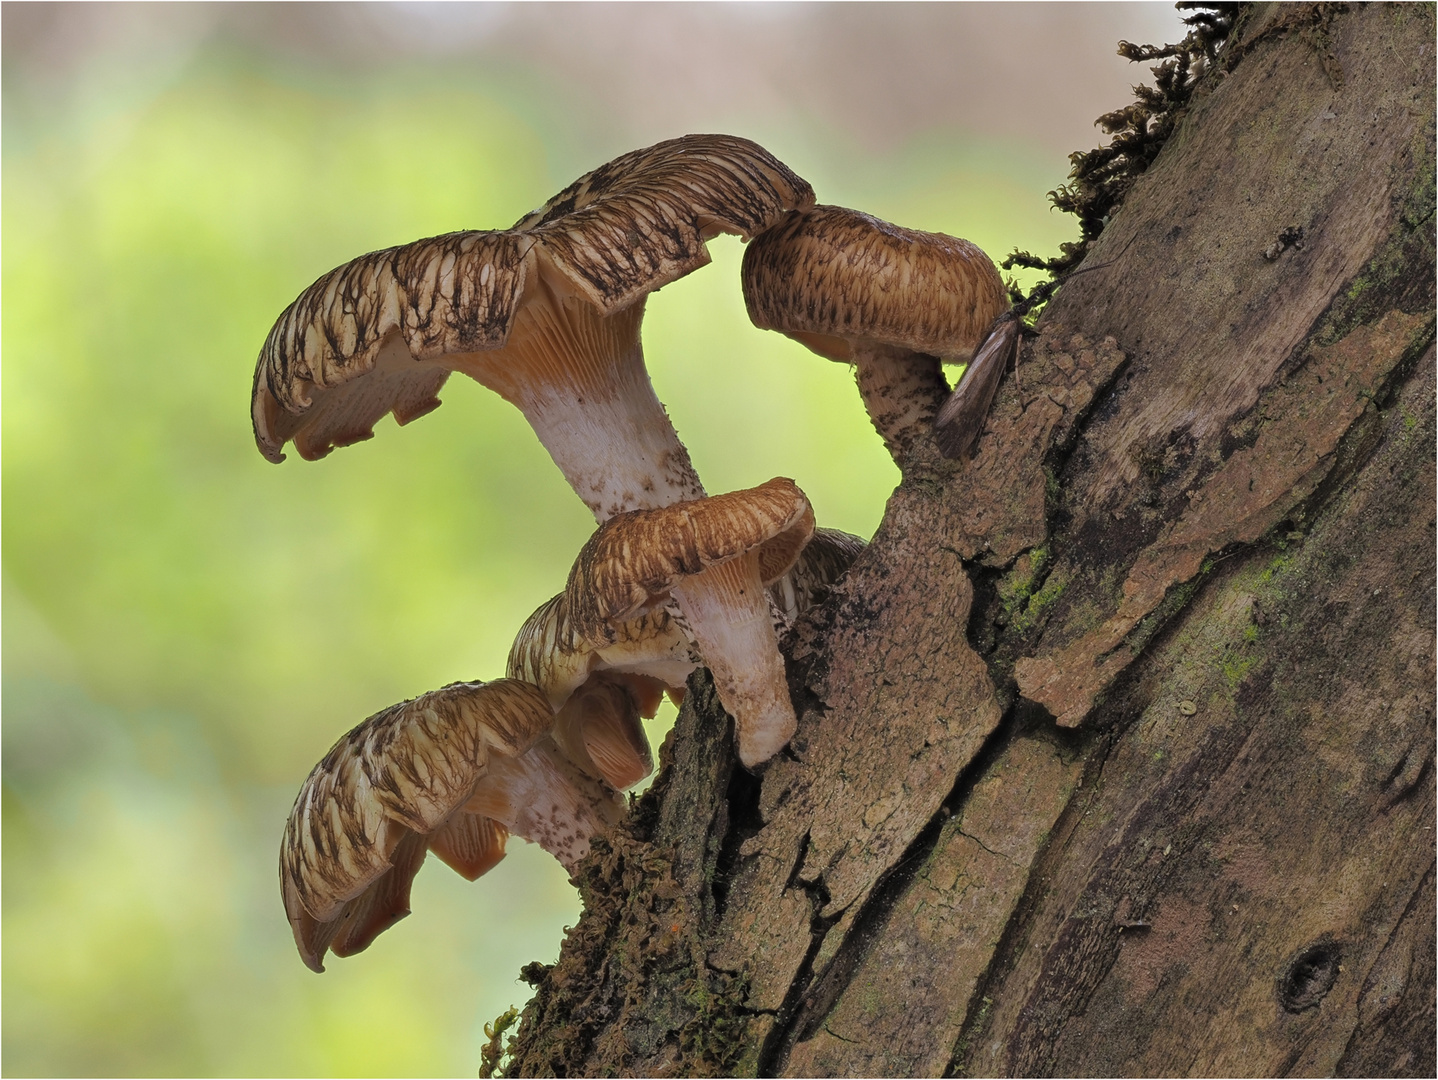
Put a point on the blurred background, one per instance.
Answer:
(188, 628)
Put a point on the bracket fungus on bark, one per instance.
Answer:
(895, 303)
(714, 558)
(546, 314)
(454, 771)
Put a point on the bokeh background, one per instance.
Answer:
(188, 628)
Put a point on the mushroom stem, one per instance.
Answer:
(543, 796)
(579, 378)
(902, 391)
(727, 610)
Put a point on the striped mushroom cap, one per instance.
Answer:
(713, 558)
(401, 783)
(892, 301)
(546, 313)
(824, 560)
(600, 686)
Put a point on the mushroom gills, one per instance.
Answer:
(598, 728)
(396, 384)
(579, 378)
(469, 844)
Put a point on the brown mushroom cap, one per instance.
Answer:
(600, 689)
(551, 652)
(712, 558)
(825, 559)
(829, 277)
(633, 562)
(344, 353)
(360, 826)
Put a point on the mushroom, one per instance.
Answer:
(599, 688)
(642, 659)
(453, 771)
(713, 558)
(825, 559)
(546, 314)
(893, 302)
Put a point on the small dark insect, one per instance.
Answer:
(961, 418)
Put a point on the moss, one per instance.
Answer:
(1100, 179)
(1235, 667)
(1038, 603)
(972, 1028)
(1174, 601)
(1017, 585)
(1387, 280)
(713, 1039)
(1279, 566)
(494, 1058)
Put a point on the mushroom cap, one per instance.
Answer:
(830, 277)
(357, 833)
(629, 565)
(551, 652)
(825, 559)
(613, 236)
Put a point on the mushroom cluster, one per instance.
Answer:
(547, 314)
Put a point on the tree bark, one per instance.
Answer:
(1116, 745)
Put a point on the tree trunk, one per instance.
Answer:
(1116, 746)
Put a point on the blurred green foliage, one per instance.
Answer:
(188, 628)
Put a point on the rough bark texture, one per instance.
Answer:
(1116, 746)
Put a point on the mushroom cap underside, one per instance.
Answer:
(630, 564)
(551, 652)
(830, 278)
(400, 775)
(611, 237)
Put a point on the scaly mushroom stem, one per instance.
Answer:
(902, 391)
(727, 611)
(544, 797)
(579, 379)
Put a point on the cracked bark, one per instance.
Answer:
(1116, 747)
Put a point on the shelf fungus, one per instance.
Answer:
(714, 559)
(896, 303)
(547, 314)
(455, 772)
